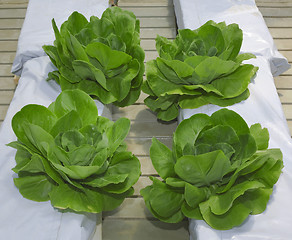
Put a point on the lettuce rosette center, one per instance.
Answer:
(219, 170)
(198, 67)
(69, 155)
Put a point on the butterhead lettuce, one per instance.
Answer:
(101, 57)
(69, 155)
(219, 170)
(198, 67)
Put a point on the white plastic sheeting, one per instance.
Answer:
(25, 219)
(256, 36)
(21, 218)
(37, 27)
(264, 107)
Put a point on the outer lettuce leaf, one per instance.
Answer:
(167, 211)
(162, 159)
(35, 187)
(219, 171)
(69, 155)
(210, 98)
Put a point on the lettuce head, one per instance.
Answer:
(198, 67)
(219, 170)
(101, 57)
(69, 155)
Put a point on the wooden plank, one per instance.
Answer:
(8, 45)
(130, 208)
(287, 54)
(285, 95)
(288, 72)
(149, 55)
(142, 182)
(3, 111)
(272, 1)
(5, 70)
(11, 23)
(146, 166)
(7, 83)
(141, 146)
(287, 110)
(153, 32)
(13, 4)
(142, 97)
(8, 34)
(151, 11)
(290, 126)
(283, 44)
(278, 22)
(12, 13)
(134, 3)
(135, 112)
(157, 22)
(7, 57)
(276, 12)
(274, 4)
(143, 229)
(150, 129)
(281, 33)
(283, 82)
(6, 96)
(148, 44)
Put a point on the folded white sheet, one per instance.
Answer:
(264, 107)
(25, 219)
(256, 36)
(37, 27)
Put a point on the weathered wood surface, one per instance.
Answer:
(278, 16)
(132, 220)
(12, 14)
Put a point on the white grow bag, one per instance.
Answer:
(256, 36)
(264, 107)
(37, 28)
(21, 218)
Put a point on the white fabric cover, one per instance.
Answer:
(256, 36)
(25, 219)
(264, 107)
(37, 27)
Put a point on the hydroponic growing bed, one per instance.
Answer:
(178, 80)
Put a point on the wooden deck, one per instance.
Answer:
(132, 220)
